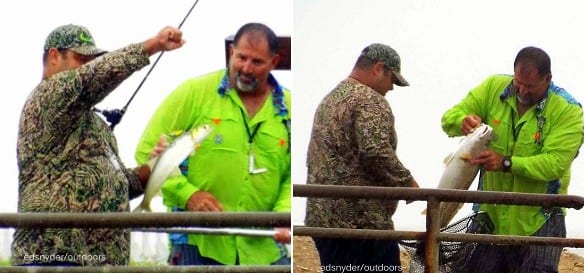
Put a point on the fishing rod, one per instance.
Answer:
(115, 116)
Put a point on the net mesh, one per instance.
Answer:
(452, 255)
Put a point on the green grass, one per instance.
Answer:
(4, 262)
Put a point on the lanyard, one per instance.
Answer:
(540, 123)
(515, 130)
(250, 135)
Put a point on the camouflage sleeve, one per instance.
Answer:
(71, 93)
(376, 138)
(135, 188)
(101, 76)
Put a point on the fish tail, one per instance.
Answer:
(143, 208)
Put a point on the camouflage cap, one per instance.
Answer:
(389, 57)
(75, 38)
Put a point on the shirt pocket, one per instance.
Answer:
(530, 140)
(273, 138)
(228, 133)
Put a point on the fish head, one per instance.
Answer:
(200, 133)
(482, 134)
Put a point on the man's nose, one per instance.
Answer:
(247, 66)
(523, 90)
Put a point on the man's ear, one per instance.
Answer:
(53, 56)
(275, 60)
(378, 68)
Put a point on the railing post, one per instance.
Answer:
(432, 230)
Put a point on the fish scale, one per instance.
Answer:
(458, 172)
(167, 163)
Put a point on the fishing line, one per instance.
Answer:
(115, 116)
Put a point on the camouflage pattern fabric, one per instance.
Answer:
(353, 143)
(68, 162)
(75, 38)
(389, 57)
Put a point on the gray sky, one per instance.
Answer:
(26, 23)
(447, 48)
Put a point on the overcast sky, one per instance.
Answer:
(26, 23)
(447, 48)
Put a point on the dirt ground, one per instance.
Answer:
(305, 258)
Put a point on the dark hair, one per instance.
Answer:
(364, 62)
(46, 54)
(537, 57)
(258, 30)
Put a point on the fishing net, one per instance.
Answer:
(452, 255)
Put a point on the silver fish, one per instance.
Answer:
(167, 162)
(458, 172)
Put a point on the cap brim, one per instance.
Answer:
(88, 51)
(400, 80)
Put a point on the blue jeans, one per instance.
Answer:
(521, 258)
(184, 254)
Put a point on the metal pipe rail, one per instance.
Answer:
(149, 269)
(433, 236)
(141, 220)
(442, 236)
(421, 194)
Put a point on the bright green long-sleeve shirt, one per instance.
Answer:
(221, 164)
(541, 155)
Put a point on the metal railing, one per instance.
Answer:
(140, 221)
(432, 236)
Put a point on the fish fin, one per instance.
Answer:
(138, 209)
(448, 159)
(143, 207)
(159, 193)
(197, 145)
(146, 208)
(175, 172)
(466, 156)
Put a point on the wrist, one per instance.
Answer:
(144, 174)
(151, 46)
(506, 164)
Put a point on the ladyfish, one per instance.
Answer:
(458, 172)
(168, 161)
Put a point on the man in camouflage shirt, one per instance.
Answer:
(353, 143)
(67, 155)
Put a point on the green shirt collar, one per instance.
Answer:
(278, 98)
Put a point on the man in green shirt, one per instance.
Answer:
(538, 130)
(244, 165)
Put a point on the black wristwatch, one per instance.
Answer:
(506, 164)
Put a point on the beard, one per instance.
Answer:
(527, 100)
(243, 86)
